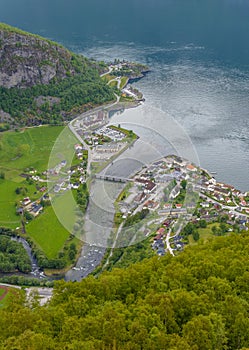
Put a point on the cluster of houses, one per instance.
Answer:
(57, 169)
(225, 194)
(79, 150)
(213, 198)
(113, 134)
(74, 177)
(149, 183)
(34, 208)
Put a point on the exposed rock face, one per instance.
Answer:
(27, 60)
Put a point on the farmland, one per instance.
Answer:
(21, 151)
(29, 148)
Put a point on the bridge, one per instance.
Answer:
(112, 178)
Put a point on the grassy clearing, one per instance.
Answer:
(26, 149)
(124, 81)
(205, 234)
(8, 217)
(107, 77)
(48, 233)
(113, 83)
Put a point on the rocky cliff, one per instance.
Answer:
(27, 60)
(43, 82)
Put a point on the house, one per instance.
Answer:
(78, 147)
(222, 191)
(36, 210)
(75, 186)
(243, 203)
(191, 168)
(148, 185)
(164, 178)
(151, 204)
(160, 231)
(82, 179)
(140, 197)
(175, 192)
(179, 211)
(158, 237)
(212, 181)
(204, 205)
(161, 251)
(26, 201)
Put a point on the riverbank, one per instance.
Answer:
(92, 255)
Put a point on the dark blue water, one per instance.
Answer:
(198, 51)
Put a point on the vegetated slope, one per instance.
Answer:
(197, 300)
(43, 82)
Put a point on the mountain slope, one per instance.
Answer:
(28, 60)
(198, 300)
(43, 82)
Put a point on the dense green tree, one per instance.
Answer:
(196, 300)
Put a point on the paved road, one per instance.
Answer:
(109, 71)
(233, 209)
(71, 127)
(168, 237)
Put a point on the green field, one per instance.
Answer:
(8, 217)
(124, 81)
(30, 148)
(25, 149)
(113, 83)
(205, 234)
(20, 150)
(48, 233)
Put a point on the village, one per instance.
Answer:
(175, 191)
(101, 144)
(172, 188)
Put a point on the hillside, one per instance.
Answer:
(198, 300)
(28, 60)
(43, 82)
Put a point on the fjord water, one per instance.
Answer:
(198, 51)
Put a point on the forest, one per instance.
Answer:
(13, 256)
(198, 300)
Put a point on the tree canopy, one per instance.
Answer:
(198, 300)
